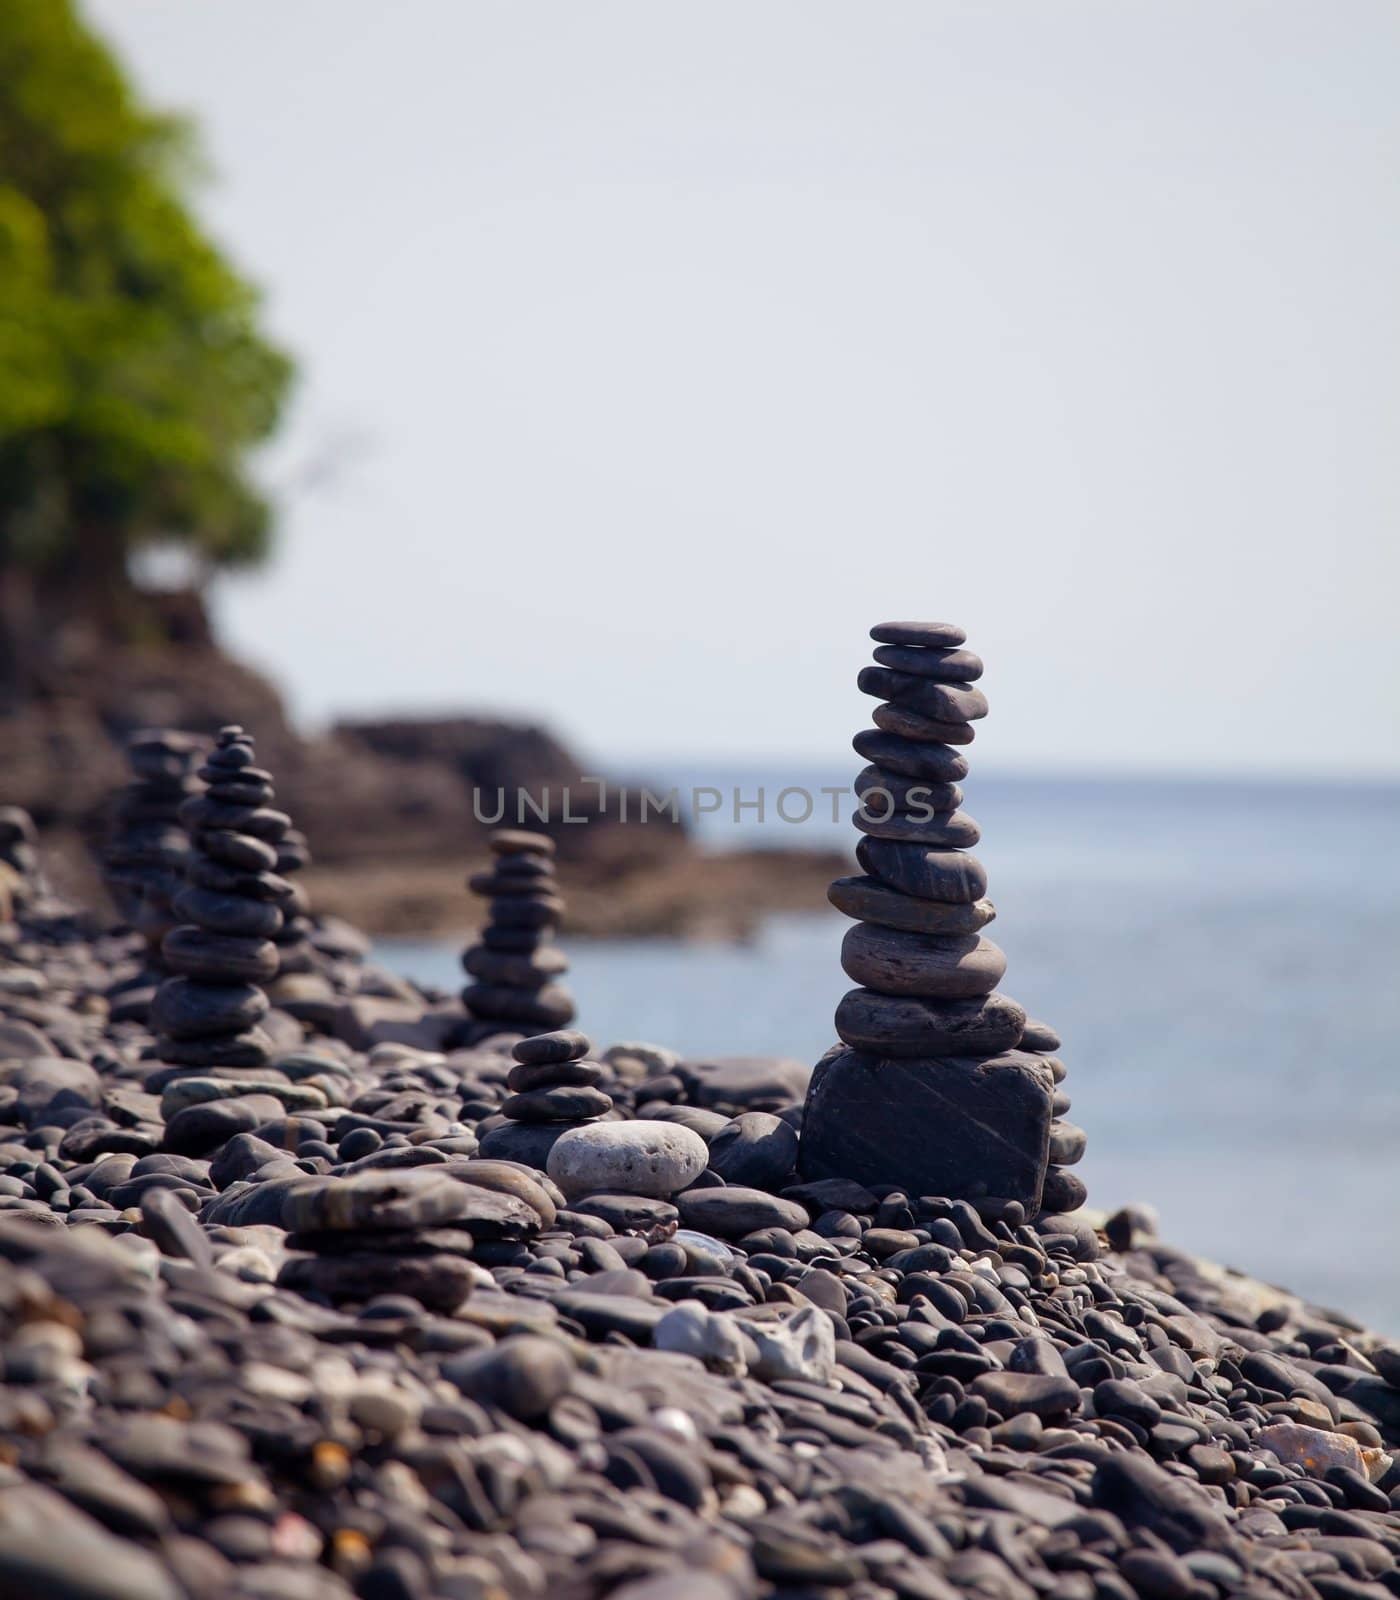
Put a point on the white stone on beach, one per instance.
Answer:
(642, 1157)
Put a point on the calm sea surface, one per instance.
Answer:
(1222, 962)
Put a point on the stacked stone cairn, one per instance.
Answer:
(207, 1015)
(373, 1233)
(554, 1087)
(144, 863)
(515, 964)
(942, 1084)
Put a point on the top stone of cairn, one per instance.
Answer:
(932, 635)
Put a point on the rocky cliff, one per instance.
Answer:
(387, 805)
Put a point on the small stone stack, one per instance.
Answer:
(376, 1233)
(554, 1088)
(944, 1087)
(515, 963)
(208, 1014)
(144, 863)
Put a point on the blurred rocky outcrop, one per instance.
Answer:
(387, 804)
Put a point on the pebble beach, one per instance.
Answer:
(319, 1283)
(754, 1387)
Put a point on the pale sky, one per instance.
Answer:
(663, 348)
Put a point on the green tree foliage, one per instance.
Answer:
(133, 381)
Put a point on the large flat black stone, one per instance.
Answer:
(951, 1126)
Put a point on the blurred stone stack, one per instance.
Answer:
(943, 1087)
(144, 862)
(375, 1233)
(515, 963)
(208, 1015)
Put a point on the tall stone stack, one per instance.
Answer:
(144, 862)
(515, 964)
(207, 1015)
(942, 1086)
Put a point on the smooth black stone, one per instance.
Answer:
(186, 1009)
(1386, 1360)
(261, 822)
(706, 1123)
(518, 971)
(524, 864)
(882, 792)
(233, 755)
(167, 1221)
(500, 885)
(743, 1083)
(448, 1241)
(224, 913)
(955, 966)
(565, 1044)
(1121, 1397)
(625, 1212)
(731, 1212)
(944, 830)
(438, 1283)
(215, 771)
(1053, 1065)
(1063, 1191)
(239, 1158)
(1044, 1395)
(206, 874)
(944, 702)
(552, 1075)
(869, 900)
(198, 1130)
(756, 1150)
(239, 791)
(527, 911)
(1067, 1143)
(520, 841)
(549, 1007)
(376, 1200)
(250, 1048)
(519, 940)
(238, 850)
(909, 759)
(602, 1314)
(949, 1126)
(928, 635)
(917, 725)
(1039, 1036)
(946, 875)
(1143, 1495)
(215, 957)
(522, 1376)
(529, 1143)
(909, 1025)
(564, 1104)
(944, 666)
